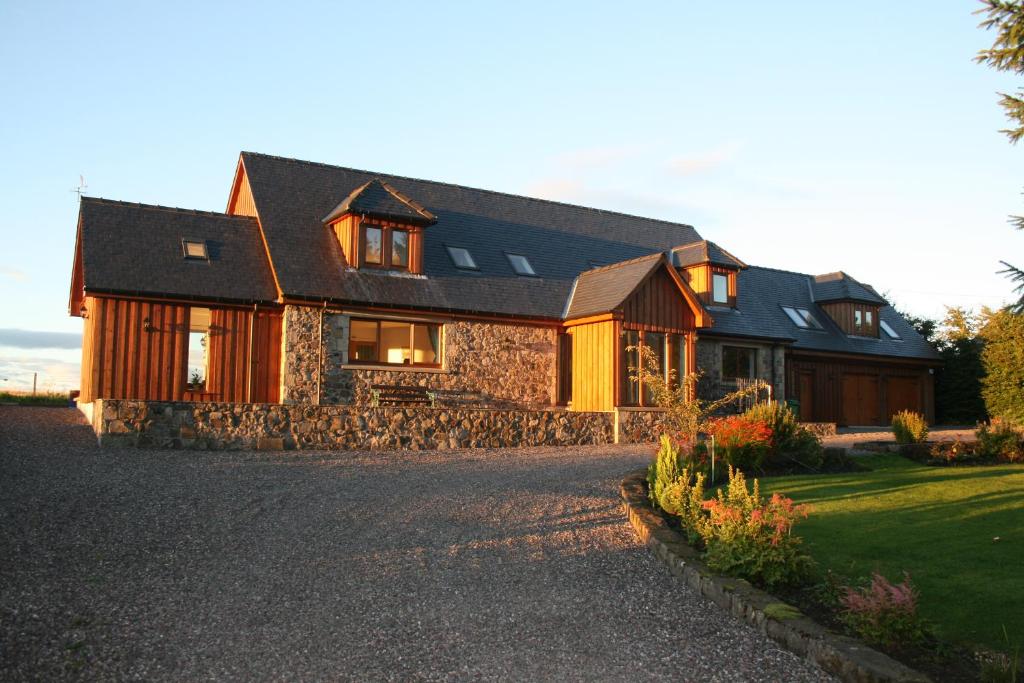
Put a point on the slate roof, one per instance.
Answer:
(604, 289)
(704, 252)
(560, 240)
(763, 291)
(841, 287)
(137, 249)
(377, 198)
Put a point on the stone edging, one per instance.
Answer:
(845, 657)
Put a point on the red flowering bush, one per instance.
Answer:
(748, 537)
(884, 612)
(741, 441)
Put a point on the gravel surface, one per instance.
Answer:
(482, 565)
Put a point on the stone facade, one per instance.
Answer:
(770, 367)
(492, 365)
(638, 425)
(265, 426)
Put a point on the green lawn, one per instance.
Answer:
(938, 523)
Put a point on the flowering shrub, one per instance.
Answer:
(883, 612)
(741, 441)
(676, 487)
(748, 537)
(791, 444)
(909, 427)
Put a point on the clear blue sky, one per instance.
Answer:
(805, 136)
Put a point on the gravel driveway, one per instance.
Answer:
(481, 565)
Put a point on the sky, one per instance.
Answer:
(804, 136)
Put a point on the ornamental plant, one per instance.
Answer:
(909, 427)
(792, 444)
(751, 538)
(1000, 440)
(883, 612)
(743, 442)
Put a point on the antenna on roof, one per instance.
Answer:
(82, 187)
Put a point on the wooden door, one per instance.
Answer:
(904, 393)
(860, 400)
(806, 396)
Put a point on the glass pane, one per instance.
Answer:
(655, 341)
(677, 358)
(721, 288)
(797, 318)
(857, 317)
(362, 341)
(400, 248)
(630, 362)
(737, 362)
(811, 320)
(869, 317)
(462, 258)
(197, 359)
(195, 249)
(887, 329)
(394, 342)
(373, 245)
(426, 344)
(520, 265)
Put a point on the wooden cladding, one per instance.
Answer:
(854, 318)
(594, 365)
(853, 392)
(702, 279)
(658, 306)
(349, 229)
(139, 350)
(242, 203)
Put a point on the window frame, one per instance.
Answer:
(391, 248)
(675, 348)
(511, 256)
(455, 262)
(801, 317)
(752, 373)
(863, 319)
(714, 278)
(412, 343)
(386, 246)
(187, 241)
(889, 331)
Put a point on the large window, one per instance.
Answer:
(739, 363)
(668, 350)
(392, 342)
(720, 288)
(386, 247)
(198, 338)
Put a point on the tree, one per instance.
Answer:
(958, 397)
(1003, 355)
(1006, 17)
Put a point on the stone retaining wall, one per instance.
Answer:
(269, 426)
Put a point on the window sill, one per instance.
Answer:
(377, 367)
(640, 409)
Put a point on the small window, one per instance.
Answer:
(802, 318)
(195, 249)
(374, 245)
(198, 338)
(520, 265)
(720, 288)
(462, 258)
(392, 342)
(399, 248)
(738, 362)
(888, 330)
(797, 319)
(868, 318)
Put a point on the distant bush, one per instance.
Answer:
(39, 399)
(1003, 356)
(909, 427)
(791, 443)
(884, 613)
(1001, 440)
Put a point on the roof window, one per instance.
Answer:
(521, 265)
(462, 259)
(195, 249)
(888, 330)
(802, 318)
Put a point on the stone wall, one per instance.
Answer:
(639, 425)
(263, 426)
(770, 357)
(493, 365)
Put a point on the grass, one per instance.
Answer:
(40, 399)
(959, 532)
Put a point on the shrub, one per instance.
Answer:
(750, 538)
(883, 612)
(676, 488)
(909, 427)
(1003, 356)
(1000, 440)
(791, 443)
(741, 442)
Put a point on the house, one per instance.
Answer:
(323, 286)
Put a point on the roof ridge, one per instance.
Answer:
(161, 207)
(620, 264)
(468, 187)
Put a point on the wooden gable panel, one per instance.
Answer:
(658, 306)
(241, 202)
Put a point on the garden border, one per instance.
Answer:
(843, 656)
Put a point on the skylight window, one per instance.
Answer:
(520, 265)
(888, 330)
(195, 249)
(462, 259)
(802, 318)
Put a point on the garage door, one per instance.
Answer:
(904, 393)
(860, 400)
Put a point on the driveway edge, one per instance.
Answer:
(848, 658)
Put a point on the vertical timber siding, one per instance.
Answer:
(242, 204)
(657, 306)
(594, 351)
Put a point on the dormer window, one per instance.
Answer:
(864, 321)
(720, 288)
(195, 250)
(520, 265)
(462, 259)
